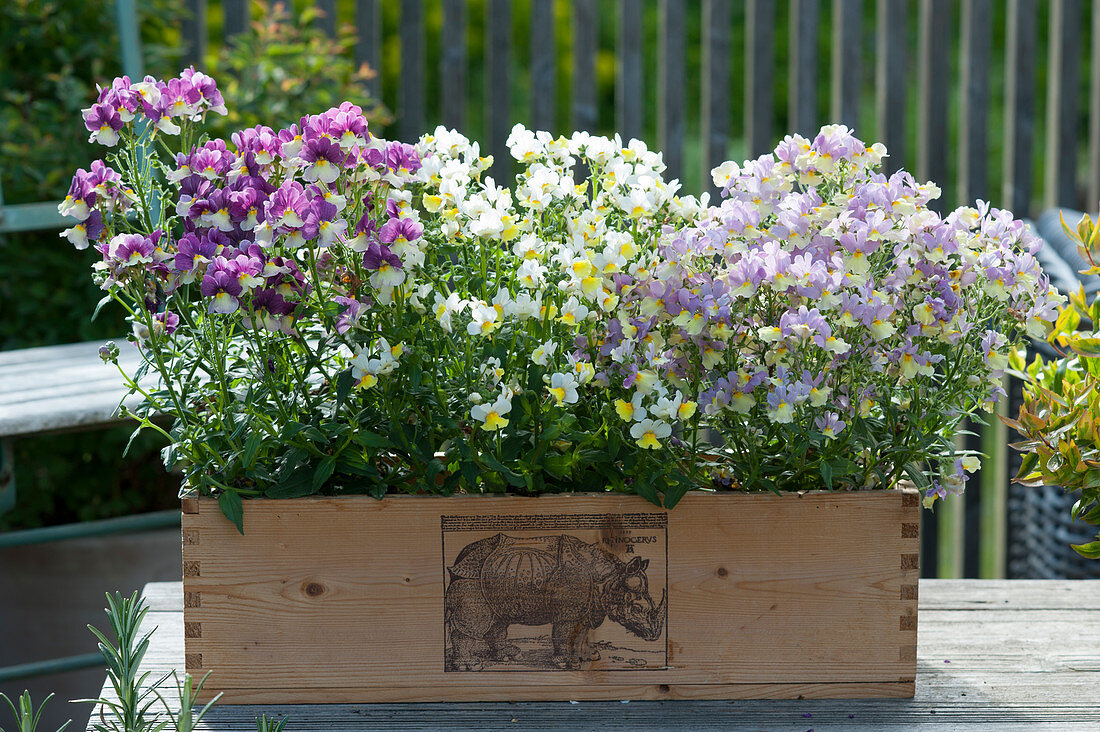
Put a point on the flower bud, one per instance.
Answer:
(108, 352)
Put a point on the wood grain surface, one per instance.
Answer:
(994, 655)
(330, 600)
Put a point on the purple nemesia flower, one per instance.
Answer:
(350, 314)
(400, 230)
(221, 284)
(271, 311)
(104, 122)
(323, 159)
(379, 254)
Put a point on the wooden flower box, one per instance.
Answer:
(558, 597)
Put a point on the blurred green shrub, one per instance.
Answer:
(284, 68)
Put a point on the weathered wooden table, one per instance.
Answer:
(992, 655)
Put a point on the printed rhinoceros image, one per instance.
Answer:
(557, 580)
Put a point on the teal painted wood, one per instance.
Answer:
(544, 60)
(716, 88)
(891, 75)
(236, 16)
(671, 78)
(452, 64)
(368, 46)
(933, 68)
(31, 217)
(129, 39)
(974, 60)
(328, 19)
(1019, 101)
(804, 60)
(1063, 91)
(586, 37)
(630, 92)
(498, 92)
(410, 117)
(760, 76)
(1093, 183)
(193, 32)
(847, 64)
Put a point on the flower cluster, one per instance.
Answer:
(330, 311)
(829, 323)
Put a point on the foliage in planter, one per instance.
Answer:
(331, 312)
(1060, 415)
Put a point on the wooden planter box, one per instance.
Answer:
(557, 597)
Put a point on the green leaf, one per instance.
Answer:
(499, 467)
(1085, 346)
(299, 483)
(344, 382)
(372, 440)
(675, 492)
(99, 306)
(233, 509)
(827, 474)
(251, 448)
(1088, 551)
(323, 472)
(469, 473)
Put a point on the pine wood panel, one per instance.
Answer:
(343, 599)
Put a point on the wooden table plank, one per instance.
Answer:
(992, 655)
(57, 388)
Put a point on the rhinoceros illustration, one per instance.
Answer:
(556, 580)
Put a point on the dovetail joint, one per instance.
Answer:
(192, 630)
(908, 592)
(910, 531)
(193, 661)
(191, 569)
(192, 599)
(910, 561)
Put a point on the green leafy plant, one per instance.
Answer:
(188, 692)
(1060, 415)
(26, 716)
(283, 65)
(133, 697)
(264, 724)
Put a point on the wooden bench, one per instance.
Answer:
(56, 389)
(992, 655)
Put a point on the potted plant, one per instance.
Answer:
(581, 424)
(1058, 419)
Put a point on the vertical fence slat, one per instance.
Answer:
(411, 116)
(327, 21)
(1019, 105)
(1094, 113)
(193, 32)
(629, 90)
(129, 39)
(974, 61)
(716, 87)
(847, 68)
(498, 52)
(1063, 73)
(544, 62)
(759, 75)
(586, 114)
(891, 76)
(802, 91)
(368, 26)
(236, 17)
(452, 64)
(932, 79)
(670, 86)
